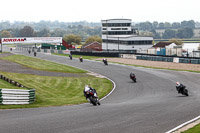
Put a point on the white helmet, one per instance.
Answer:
(87, 88)
(177, 83)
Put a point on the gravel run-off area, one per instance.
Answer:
(157, 64)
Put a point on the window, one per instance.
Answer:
(115, 28)
(116, 24)
(104, 25)
(124, 28)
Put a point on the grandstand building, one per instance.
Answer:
(119, 34)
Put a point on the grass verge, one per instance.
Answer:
(195, 129)
(39, 64)
(53, 91)
(57, 91)
(5, 84)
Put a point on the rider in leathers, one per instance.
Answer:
(87, 88)
(179, 87)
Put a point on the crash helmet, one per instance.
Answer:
(177, 84)
(87, 88)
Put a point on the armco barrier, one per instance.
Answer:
(194, 61)
(167, 59)
(17, 96)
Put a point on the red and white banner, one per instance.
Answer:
(31, 40)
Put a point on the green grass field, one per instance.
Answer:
(53, 91)
(39, 64)
(4, 84)
(57, 91)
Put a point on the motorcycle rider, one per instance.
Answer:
(179, 87)
(105, 61)
(87, 88)
(132, 75)
(81, 59)
(70, 56)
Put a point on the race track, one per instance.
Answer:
(152, 105)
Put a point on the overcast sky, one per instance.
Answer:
(97, 10)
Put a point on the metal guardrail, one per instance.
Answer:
(168, 59)
(16, 96)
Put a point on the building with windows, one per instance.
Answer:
(119, 34)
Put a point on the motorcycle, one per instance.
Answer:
(70, 56)
(93, 98)
(105, 62)
(184, 91)
(81, 59)
(133, 78)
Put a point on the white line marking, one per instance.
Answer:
(184, 124)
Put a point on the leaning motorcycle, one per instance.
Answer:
(105, 62)
(93, 98)
(81, 59)
(184, 91)
(133, 78)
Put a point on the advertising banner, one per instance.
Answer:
(24, 40)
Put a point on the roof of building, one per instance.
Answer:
(162, 44)
(116, 19)
(87, 45)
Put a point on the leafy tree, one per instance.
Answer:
(176, 25)
(177, 42)
(156, 35)
(161, 25)
(72, 39)
(185, 33)
(146, 26)
(155, 25)
(15, 32)
(169, 34)
(5, 34)
(58, 32)
(197, 24)
(191, 24)
(27, 31)
(44, 33)
(93, 39)
(188, 24)
(167, 25)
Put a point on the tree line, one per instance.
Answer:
(148, 26)
(180, 30)
(85, 29)
(70, 37)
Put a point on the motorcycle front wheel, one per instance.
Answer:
(93, 100)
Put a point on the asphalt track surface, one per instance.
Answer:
(152, 105)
